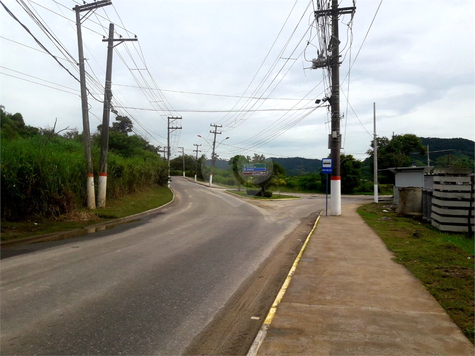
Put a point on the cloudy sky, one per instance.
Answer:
(245, 65)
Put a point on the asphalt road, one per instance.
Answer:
(143, 288)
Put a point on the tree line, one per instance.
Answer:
(356, 176)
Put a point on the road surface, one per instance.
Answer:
(148, 287)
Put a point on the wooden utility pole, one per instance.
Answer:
(335, 139)
(335, 136)
(91, 199)
(102, 188)
(213, 154)
(171, 128)
(196, 161)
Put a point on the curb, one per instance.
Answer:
(261, 335)
(84, 230)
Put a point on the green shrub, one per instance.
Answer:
(267, 194)
(40, 176)
(45, 176)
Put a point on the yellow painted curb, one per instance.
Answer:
(270, 316)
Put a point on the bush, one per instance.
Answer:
(46, 176)
(40, 176)
(267, 194)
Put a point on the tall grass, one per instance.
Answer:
(45, 176)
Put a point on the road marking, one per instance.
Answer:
(261, 335)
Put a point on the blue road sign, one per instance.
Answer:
(327, 165)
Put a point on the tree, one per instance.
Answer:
(123, 124)
(273, 169)
(176, 165)
(396, 153)
(257, 158)
(12, 126)
(121, 143)
(237, 162)
(350, 169)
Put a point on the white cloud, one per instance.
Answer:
(415, 64)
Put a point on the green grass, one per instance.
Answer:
(444, 263)
(131, 204)
(243, 193)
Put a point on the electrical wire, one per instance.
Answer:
(38, 41)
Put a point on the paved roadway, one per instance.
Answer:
(142, 288)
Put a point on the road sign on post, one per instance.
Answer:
(327, 168)
(327, 165)
(254, 169)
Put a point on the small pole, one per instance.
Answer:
(375, 144)
(326, 198)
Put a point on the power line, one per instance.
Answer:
(366, 35)
(44, 85)
(223, 111)
(208, 94)
(38, 41)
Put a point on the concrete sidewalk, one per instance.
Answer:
(347, 297)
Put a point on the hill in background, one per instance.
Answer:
(443, 152)
(447, 151)
(297, 166)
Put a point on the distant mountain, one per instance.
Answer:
(443, 152)
(452, 146)
(293, 166)
(297, 166)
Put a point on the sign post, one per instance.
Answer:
(327, 168)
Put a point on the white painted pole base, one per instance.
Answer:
(210, 180)
(102, 190)
(196, 178)
(183, 174)
(335, 201)
(91, 195)
(376, 193)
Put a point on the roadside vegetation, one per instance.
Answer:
(228, 173)
(44, 171)
(443, 262)
(141, 200)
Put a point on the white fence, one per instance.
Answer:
(453, 203)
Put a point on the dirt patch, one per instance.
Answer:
(235, 327)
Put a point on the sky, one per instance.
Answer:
(246, 65)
